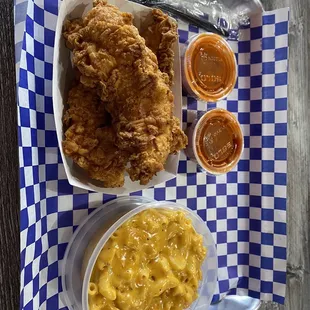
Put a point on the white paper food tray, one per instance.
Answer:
(62, 79)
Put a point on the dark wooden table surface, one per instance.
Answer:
(9, 187)
(298, 215)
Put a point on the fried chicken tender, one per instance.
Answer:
(160, 37)
(113, 59)
(88, 141)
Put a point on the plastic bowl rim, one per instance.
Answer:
(80, 227)
(106, 236)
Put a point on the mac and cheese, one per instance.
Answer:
(153, 262)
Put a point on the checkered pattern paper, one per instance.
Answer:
(245, 209)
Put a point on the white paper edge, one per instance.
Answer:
(61, 77)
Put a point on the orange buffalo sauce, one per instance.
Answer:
(217, 141)
(210, 68)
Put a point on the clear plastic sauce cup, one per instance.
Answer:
(215, 141)
(209, 67)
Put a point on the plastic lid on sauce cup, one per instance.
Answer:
(218, 141)
(210, 67)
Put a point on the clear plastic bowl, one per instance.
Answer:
(93, 233)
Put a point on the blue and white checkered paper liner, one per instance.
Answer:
(245, 209)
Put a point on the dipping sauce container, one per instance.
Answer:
(215, 141)
(209, 67)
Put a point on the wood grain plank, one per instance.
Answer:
(9, 189)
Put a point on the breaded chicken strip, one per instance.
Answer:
(88, 141)
(160, 37)
(113, 58)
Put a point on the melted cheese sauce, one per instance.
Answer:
(151, 262)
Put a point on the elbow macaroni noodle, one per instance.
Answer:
(152, 262)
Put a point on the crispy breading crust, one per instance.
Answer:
(114, 60)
